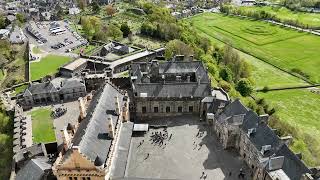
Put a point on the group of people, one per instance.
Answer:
(160, 137)
(204, 176)
(58, 112)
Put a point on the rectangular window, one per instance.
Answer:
(155, 109)
(144, 109)
(168, 109)
(75, 178)
(180, 109)
(190, 108)
(70, 178)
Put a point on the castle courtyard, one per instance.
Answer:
(192, 149)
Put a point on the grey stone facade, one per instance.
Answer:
(264, 152)
(169, 88)
(57, 90)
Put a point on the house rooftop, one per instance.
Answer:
(74, 64)
(174, 79)
(34, 169)
(91, 137)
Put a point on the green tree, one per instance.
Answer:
(102, 35)
(20, 17)
(244, 87)
(114, 32)
(177, 47)
(95, 6)
(3, 22)
(125, 29)
(226, 74)
(90, 25)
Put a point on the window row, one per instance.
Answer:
(80, 178)
(167, 109)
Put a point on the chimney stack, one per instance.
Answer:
(286, 139)
(117, 104)
(82, 109)
(264, 118)
(188, 78)
(110, 127)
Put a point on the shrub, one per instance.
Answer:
(265, 89)
(224, 85)
(226, 74)
(244, 87)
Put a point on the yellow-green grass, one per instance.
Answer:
(86, 49)
(42, 126)
(47, 66)
(36, 50)
(284, 14)
(2, 75)
(300, 110)
(285, 48)
(263, 74)
(20, 89)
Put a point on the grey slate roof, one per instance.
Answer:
(172, 88)
(121, 155)
(263, 135)
(91, 136)
(292, 166)
(72, 83)
(233, 108)
(34, 169)
(40, 88)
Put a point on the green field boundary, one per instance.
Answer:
(258, 44)
(259, 58)
(287, 88)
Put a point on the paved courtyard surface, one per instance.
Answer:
(71, 116)
(182, 157)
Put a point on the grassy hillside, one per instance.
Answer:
(263, 74)
(299, 112)
(285, 48)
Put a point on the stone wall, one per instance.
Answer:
(145, 108)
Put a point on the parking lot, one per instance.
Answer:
(54, 36)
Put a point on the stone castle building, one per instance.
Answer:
(264, 152)
(169, 88)
(56, 90)
(98, 146)
(90, 147)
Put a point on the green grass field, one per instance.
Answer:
(311, 19)
(264, 74)
(42, 126)
(47, 66)
(300, 109)
(284, 48)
